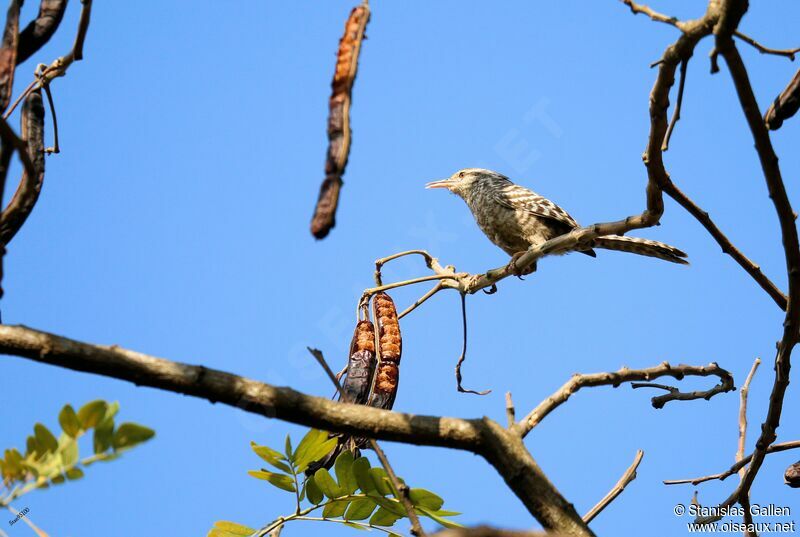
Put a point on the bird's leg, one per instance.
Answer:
(519, 273)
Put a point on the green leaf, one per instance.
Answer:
(232, 528)
(381, 481)
(128, 435)
(103, 434)
(315, 453)
(335, 509)
(279, 480)
(271, 456)
(447, 523)
(391, 505)
(69, 421)
(288, 448)
(344, 472)
(425, 498)
(383, 517)
(356, 526)
(32, 447)
(313, 438)
(111, 410)
(360, 509)
(327, 485)
(444, 512)
(92, 413)
(44, 438)
(74, 473)
(69, 451)
(57, 479)
(313, 492)
(362, 475)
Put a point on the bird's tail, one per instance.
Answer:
(639, 246)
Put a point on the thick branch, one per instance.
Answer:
(501, 448)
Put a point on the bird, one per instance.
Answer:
(516, 218)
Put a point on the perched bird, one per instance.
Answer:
(515, 218)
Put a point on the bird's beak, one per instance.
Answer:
(441, 183)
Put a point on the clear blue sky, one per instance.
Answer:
(175, 222)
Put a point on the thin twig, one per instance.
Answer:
(788, 53)
(435, 289)
(401, 488)
(774, 448)
(676, 114)
(463, 355)
(56, 148)
(382, 261)
(654, 15)
(510, 412)
(743, 392)
(627, 477)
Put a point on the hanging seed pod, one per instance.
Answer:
(391, 344)
(384, 389)
(361, 365)
(8, 53)
(339, 121)
(785, 105)
(792, 475)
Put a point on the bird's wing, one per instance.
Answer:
(520, 198)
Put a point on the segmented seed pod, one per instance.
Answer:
(339, 121)
(387, 377)
(384, 390)
(391, 344)
(361, 364)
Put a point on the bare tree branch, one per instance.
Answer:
(774, 448)
(627, 477)
(743, 393)
(786, 217)
(616, 378)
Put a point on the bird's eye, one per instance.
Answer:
(461, 175)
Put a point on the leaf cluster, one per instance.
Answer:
(48, 460)
(354, 494)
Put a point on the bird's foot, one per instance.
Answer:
(520, 272)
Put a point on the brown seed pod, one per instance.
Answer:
(387, 378)
(792, 475)
(785, 105)
(8, 53)
(385, 389)
(391, 344)
(339, 121)
(41, 29)
(19, 208)
(361, 365)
